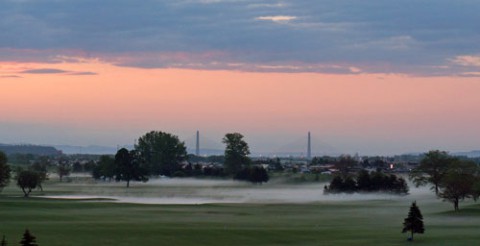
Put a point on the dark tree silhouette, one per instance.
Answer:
(368, 182)
(256, 175)
(459, 182)
(162, 152)
(4, 171)
(236, 153)
(432, 169)
(414, 222)
(28, 180)
(128, 167)
(41, 168)
(105, 169)
(28, 239)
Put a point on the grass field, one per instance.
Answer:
(244, 219)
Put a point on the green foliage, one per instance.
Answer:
(453, 179)
(28, 239)
(459, 182)
(433, 167)
(105, 169)
(256, 175)
(21, 159)
(414, 222)
(129, 167)
(236, 153)
(162, 152)
(4, 171)
(368, 182)
(28, 180)
(40, 167)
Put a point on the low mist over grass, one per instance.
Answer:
(203, 191)
(224, 212)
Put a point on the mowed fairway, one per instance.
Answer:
(329, 221)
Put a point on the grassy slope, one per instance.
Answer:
(374, 222)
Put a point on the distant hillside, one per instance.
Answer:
(10, 149)
(469, 154)
(91, 149)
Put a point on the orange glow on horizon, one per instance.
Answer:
(124, 98)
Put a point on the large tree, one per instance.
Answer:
(128, 167)
(162, 152)
(459, 182)
(236, 153)
(432, 169)
(28, 180)
(414, 222)
(4, 171)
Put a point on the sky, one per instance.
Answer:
(368, 77)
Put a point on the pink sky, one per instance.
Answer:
(365, 113)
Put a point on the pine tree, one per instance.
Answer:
(3, 242)
(414, 222)
(28, 239)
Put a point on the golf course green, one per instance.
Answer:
(247, 215)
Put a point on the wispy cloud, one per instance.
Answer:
(10, 76)
(277, 18)
(267, 5)
(44, 71)
(55, 71)
(467, 60)
(82, 73)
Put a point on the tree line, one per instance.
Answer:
(163, 154)
(155, 154)
(365, 181)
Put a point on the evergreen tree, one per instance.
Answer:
(414, 222)
(28, 239)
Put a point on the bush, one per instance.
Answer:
(368, 182)
(255, 175)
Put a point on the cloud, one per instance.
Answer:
(470, 74)
(267, 5)
(44, 71)
(413, 37)
(467, 60)
(277, 18)
(10, 76)
(82, 73)
(55, 71)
